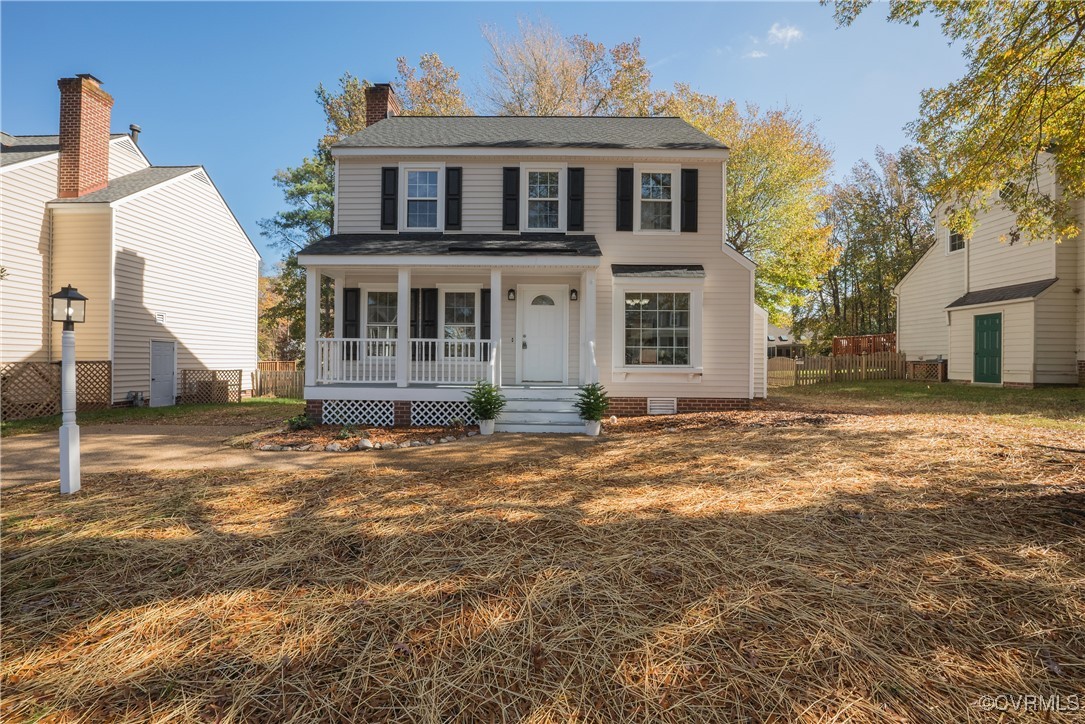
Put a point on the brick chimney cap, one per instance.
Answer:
(88, 76)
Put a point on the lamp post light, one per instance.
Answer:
(69, 307)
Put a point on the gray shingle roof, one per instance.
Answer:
(123, 186)
(689, 271)
(485, 244)
(656, 133)
(14, 149)
(1027, 290)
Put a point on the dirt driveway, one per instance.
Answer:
(108, 448)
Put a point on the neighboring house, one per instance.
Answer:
(537, 252)
(1000, 313)
(781, 343)
(170, 274)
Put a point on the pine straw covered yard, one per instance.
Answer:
(765, 566)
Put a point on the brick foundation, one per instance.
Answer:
(636, 406)
(402, 413)
(314, 410)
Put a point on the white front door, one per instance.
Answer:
(543, 333)
(163, 374)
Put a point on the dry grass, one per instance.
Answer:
(764, 566)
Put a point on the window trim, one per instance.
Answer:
(563, 189)
(365, 289)
(441, 290)
(949, 242)
(695, 289)
(675, 170)
(439, 169)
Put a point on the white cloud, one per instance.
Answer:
(783, 35)
(755, 54)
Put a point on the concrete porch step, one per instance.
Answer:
(535, 417)
(539, 405)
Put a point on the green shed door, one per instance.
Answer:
(988, 349)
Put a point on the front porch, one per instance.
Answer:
(410, 332)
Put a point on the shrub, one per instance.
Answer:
(485, 401)
(347, 432)
(299, 422)
(592, 402)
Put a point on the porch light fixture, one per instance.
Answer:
(69, 307)
(573, 296)
(512, 295)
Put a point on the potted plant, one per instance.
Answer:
(592, 403)
(486, 403)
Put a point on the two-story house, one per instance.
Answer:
(170, 275)
(1000, 313)
(539, 253)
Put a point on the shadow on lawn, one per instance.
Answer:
(710, 582)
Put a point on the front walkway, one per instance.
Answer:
(108, 448)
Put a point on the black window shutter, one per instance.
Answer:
(453, 198)
(575, 215)
(510, 206)
(484, 319)
(689, 199)
(429, 314)
(389, 184)
(352, 313)
(625, 200)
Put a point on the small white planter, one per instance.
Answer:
(486, 427)
(592, 427)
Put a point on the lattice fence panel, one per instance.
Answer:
(359, 412)
(441, 412)
(932, 371)
(215, 387)
(32, 389)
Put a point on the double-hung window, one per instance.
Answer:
(421, 191)
(461, 315)
(657, 328)
(543, 191)
(656, 198)
(956, 241)
(381, 323)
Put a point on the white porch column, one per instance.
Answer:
(403, 327)
(587, 312)
(496, 333)
(312, 322)
(337, 307)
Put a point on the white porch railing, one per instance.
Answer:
(431, 361)
(463, 361)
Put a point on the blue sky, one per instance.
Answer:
(230, 85)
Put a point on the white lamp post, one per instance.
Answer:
(69, 307)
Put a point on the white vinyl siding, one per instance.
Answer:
(1017, 342)
(81, 246)
(25, 252)
(124, 158)
(935, 281)
(179, 253)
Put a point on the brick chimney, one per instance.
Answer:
(380, 103)
(84, 136)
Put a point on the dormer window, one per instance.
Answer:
(543, 192)
(421, 191)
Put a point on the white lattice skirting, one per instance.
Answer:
(440, 412)
(359, 412)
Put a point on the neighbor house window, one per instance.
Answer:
(422, 199)
(542, 190)
(956, 241)
(657, 328)
(656, 195)
(381, 323)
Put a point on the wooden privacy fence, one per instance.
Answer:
(784, 372)
(865, 344)
(32, 389)
(216, 387)
(277, 365)
(278, 383)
